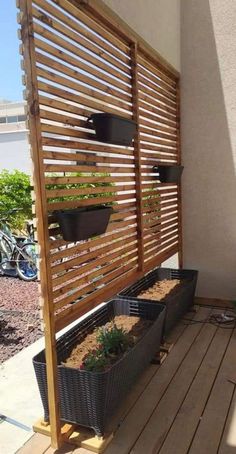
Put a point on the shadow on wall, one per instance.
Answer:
(209, 180)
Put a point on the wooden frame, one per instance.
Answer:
(72, 69)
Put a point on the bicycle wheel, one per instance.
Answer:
(26, 262)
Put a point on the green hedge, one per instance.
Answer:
(15, 192)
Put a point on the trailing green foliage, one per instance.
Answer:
(15, 194)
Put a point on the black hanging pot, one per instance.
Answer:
(111, 128)
(169, 174)
(83, 223)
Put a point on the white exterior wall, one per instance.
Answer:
(209, 143)
(14, 151)
(156, 21)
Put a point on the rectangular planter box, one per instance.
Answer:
(169, 174)
(83, 223)
(178, 303)
(87, 398)
(112, 128)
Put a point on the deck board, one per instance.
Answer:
(132, 426)
(209, 432)
(154, 434)
(186, 405)
(189, 414)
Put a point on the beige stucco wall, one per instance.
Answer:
(208, 51)
(157, 21)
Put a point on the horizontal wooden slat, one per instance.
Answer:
(150, 107)
(55, 117)
(81, 180)
(71, 313)
(158, 80)
(157, 133)
(90, 244)
(92, 24)
(152, 114)
(86, 157)
(64, 94)
(90, 266)
(67, 27)
(151, 89)
(54, 193)
(76, 86)
(88, 146)
(154, 69)
(78, 64)
(84, 258)
(116, 271)
(160, 248)
(87, 202)
(67, 45)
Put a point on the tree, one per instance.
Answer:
(15, 193)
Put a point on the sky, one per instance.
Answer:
(10, 72)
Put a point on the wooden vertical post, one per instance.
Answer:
(180, 252)
(27, 38)
(137, 156)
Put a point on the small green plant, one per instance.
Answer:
(114, 340)
(95, 361)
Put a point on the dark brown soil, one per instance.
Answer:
(134, 326)
(19, 316)
(161, 289)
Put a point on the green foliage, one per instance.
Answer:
(95, 361)
(112, 342)
(81, 186)
(15, 194)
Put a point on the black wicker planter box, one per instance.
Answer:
(114, 129)
(176, 304)
(83, 223)
(88, 398)
(169, 174)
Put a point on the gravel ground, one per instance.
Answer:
(19, 315)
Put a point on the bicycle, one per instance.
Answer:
(17, 253)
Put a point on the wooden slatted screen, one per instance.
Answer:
(78, 61)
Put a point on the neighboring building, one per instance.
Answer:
(14, 149)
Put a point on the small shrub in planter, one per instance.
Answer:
(177, 302)
(87, 397)
(83, 223)
(169, 174)
(114, 129)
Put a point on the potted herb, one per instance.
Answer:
(90, 391)
(83, 223)
(169, 174)
(157, 287)
(111, 128)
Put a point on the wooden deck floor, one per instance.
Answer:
(186, 405)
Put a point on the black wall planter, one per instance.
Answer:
(114, 129)
(169, 174)
(178, 303)
(89, 398)
(83, 223)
